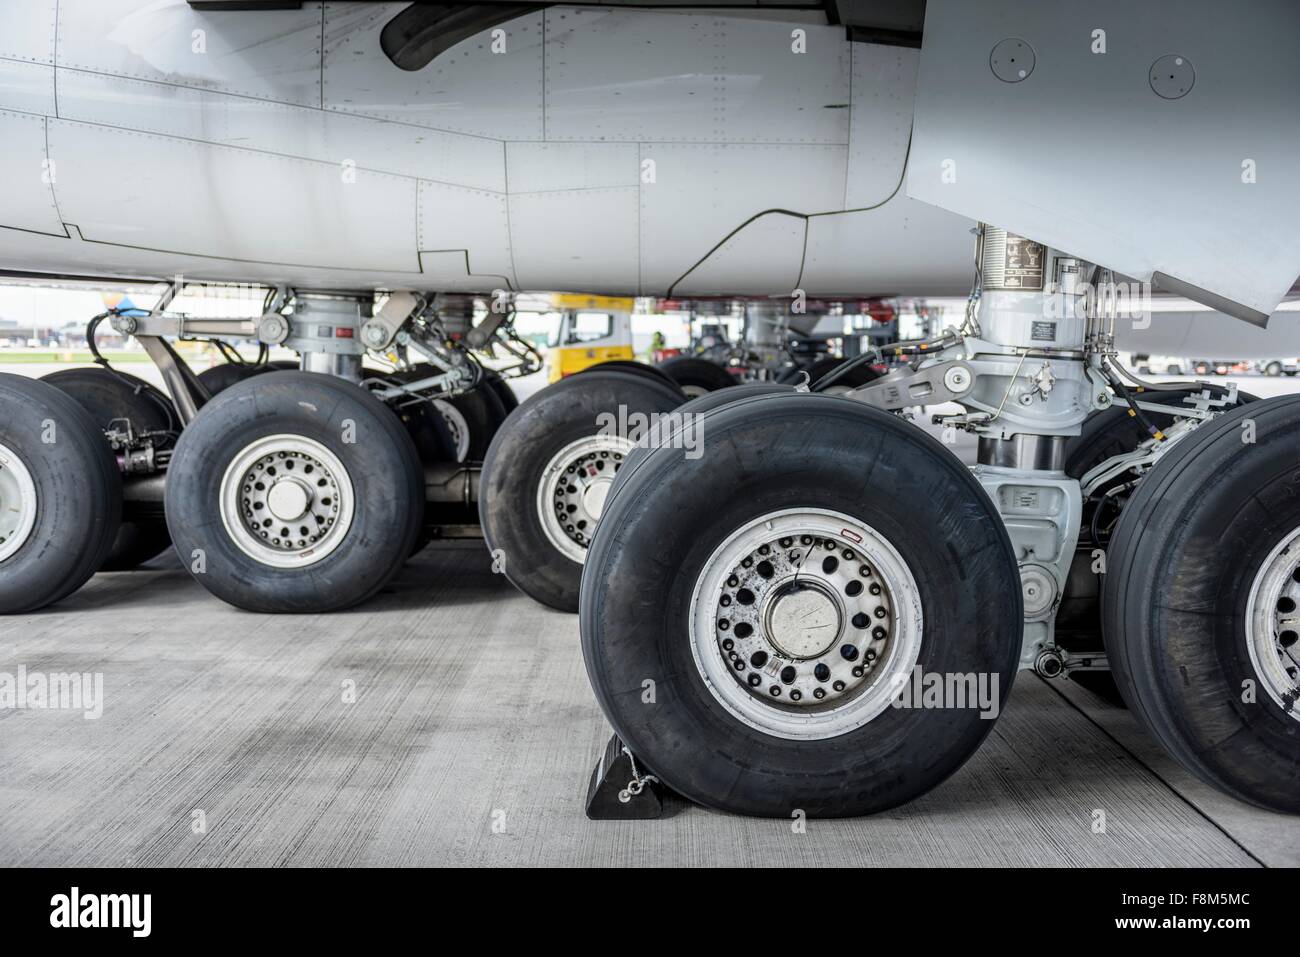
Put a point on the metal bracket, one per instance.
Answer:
(941, 382)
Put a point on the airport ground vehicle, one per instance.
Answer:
(592, 330)
(351, 154)
(1276, 367)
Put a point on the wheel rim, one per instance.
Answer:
(1273, 623)
(574, 486)
(17, 503)
(287, 501)
(805, 623)
(458, 425)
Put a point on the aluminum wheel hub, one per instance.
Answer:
(575, 485)
(805, 623)
(17, 503)
(1273, 623)
(287, 501)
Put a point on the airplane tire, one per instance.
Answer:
(108, 396)
(547, 438)
(498, 384)
(693, 562)
(330, 467)
(469, 420)
(696, 376)
(222, 376)
(60, 491)
(636, 368)
(1199, 603)
(700, 406)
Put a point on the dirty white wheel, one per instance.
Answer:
(537, 509)
(1199, 603)
(308, 499)
(287, 501)
(60, 495)
(17, 502)
(756, 621)
(1273, 624)
(460, 430)
(805, 623)
(575, 483)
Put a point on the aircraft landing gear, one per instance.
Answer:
(726, 637)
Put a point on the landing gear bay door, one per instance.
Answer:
(1158, 139)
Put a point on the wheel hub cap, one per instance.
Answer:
(17, 503)
(804, 623)
(287, 501)
(803, 620)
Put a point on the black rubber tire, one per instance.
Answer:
(219, 378)
(481, 408)
(1114, 432)
(776, 452)
(484, 412)
(512, 472)
(385, 471)
(857, 376)
(78, 494)
(697, 373)
(636, 368)
(111, 395)
(701, 405)
(1185, 554)
(498, 384)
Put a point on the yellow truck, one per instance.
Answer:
(592, 329)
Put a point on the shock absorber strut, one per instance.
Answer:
(1020, 369)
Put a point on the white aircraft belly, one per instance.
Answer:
(610, 151)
